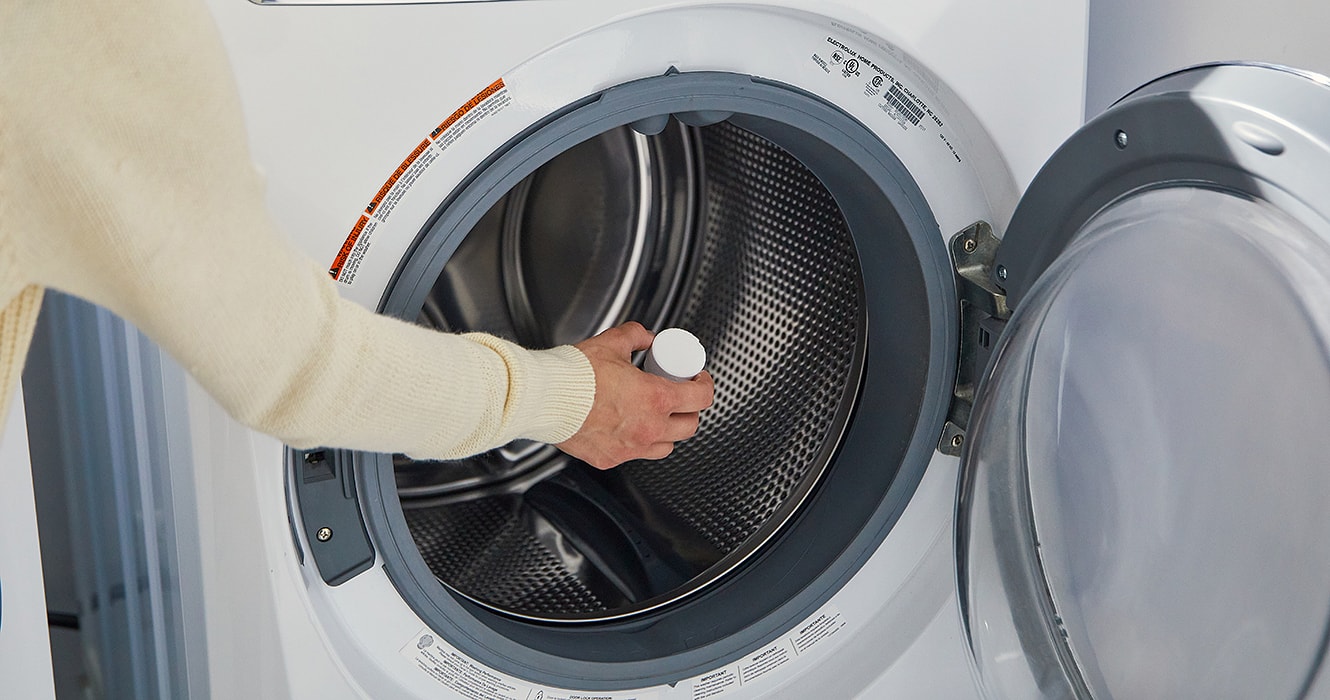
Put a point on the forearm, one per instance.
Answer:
(127, 182)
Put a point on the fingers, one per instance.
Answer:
(677, 427)
(693, 395)
(634, 415)
(681, 426)
(659, 450)
(627, 338)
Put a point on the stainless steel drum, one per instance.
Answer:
(713, 229)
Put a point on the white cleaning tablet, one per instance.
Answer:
(676, 355)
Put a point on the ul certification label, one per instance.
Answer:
(878, 82)
(472, 681)
(487, 102)
(816, 629)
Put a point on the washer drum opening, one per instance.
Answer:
(799, 248)
(714, 229)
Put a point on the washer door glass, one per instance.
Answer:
(1146, 494)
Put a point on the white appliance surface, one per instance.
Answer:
(25, 659)
(336, 96)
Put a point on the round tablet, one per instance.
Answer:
(676, 354)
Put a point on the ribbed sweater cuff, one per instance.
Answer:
(556, 395)
(17, 320)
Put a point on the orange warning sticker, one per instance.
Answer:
(470, 105)
(491, 100)
(347, 247)
(397, 175)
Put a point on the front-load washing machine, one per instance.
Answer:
(824, 194)
(781, 180)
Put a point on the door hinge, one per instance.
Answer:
(983, 315)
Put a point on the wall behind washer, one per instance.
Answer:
(1133, 41)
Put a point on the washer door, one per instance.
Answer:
(1144, 495)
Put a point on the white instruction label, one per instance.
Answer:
(472, 681)
(715, 683)
(460, 674)
(487, 102)
(816, 628)
(547, 694)
(813, 631)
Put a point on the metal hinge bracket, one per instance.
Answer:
(983, 315)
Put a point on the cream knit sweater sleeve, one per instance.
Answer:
(125, 179)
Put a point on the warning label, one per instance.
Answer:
(472, 681)
(397, 176)
(494, 88)
(455, 126)
(768, 660)
(816, 629)
(487, 102)
(713, 684)
(461, 675)
(342, 255)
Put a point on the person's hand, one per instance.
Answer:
(635, 415)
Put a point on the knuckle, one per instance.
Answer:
(659, 400)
